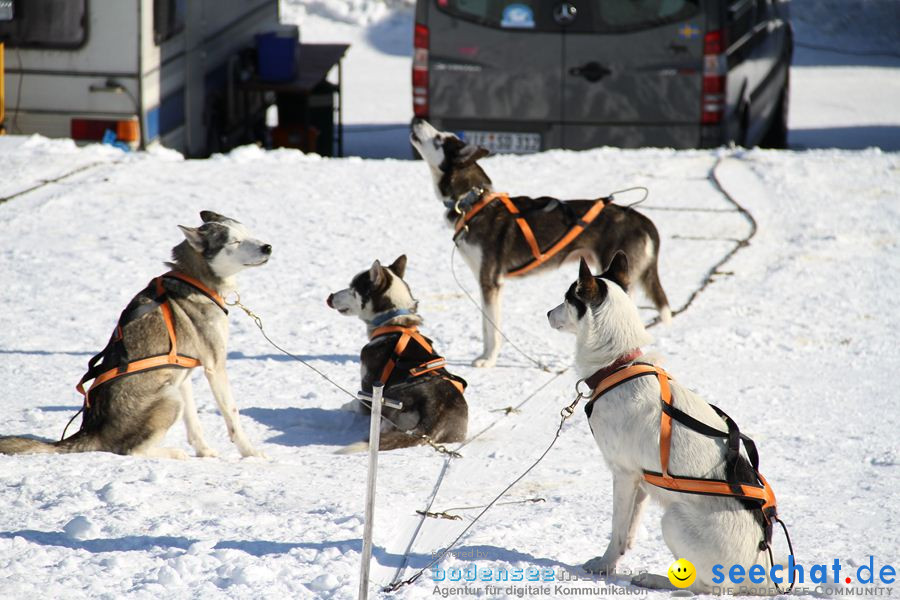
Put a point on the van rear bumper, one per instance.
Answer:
(583, 137)
(587, 136)
(551, 134)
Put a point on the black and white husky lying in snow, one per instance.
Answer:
(403, 360)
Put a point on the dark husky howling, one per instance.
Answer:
(493, 240)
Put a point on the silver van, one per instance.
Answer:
(522, 76)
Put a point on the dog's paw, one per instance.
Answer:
(484, 362)
(175, 453)
(160, 452)
(207, 452)
(665, 316)
(651, 581)
(250, 452)
(353, 448)
(599, 565)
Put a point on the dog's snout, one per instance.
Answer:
(330, 300)
(548, 313)
(266, 249)
(413, 130)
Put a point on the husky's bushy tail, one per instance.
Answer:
(390, 440)
(79, 442)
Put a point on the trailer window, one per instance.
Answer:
(168, 19)
(46, 24)
(6, 10)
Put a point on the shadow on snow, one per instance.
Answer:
(258, 548)
(311, 426)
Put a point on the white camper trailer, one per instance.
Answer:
(147, 70)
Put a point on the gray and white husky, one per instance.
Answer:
(131, 414)
(625, 421)
(433, 404)
(493, 246)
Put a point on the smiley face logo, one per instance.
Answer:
(682, 573)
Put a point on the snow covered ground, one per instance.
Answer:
(795, 339)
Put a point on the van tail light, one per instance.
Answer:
(715, 67)
(126, 130)
(420, 71)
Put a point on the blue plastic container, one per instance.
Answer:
(276, 54)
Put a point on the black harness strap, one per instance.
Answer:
(413, 360)
(114, 356)
(736, 480)
(752, 490)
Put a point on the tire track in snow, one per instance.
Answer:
(56, 179)
(739, 244)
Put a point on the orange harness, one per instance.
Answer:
(540, 257)
(433, 363)
(757, 492)
(113, 362)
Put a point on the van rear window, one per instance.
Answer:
(619, 15)
(503, 14)
(592, 16)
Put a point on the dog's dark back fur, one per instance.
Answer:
(615, 228)
(442, 409)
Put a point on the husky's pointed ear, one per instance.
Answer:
(399, 266)
(469, 154)
(376, 275)
(208, 216)
(617, 270)
(587, 286)
(193, 237)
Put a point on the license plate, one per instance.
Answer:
(505, 142)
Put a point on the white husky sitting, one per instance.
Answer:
(626, 423)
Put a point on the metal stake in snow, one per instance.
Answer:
(374, 439)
